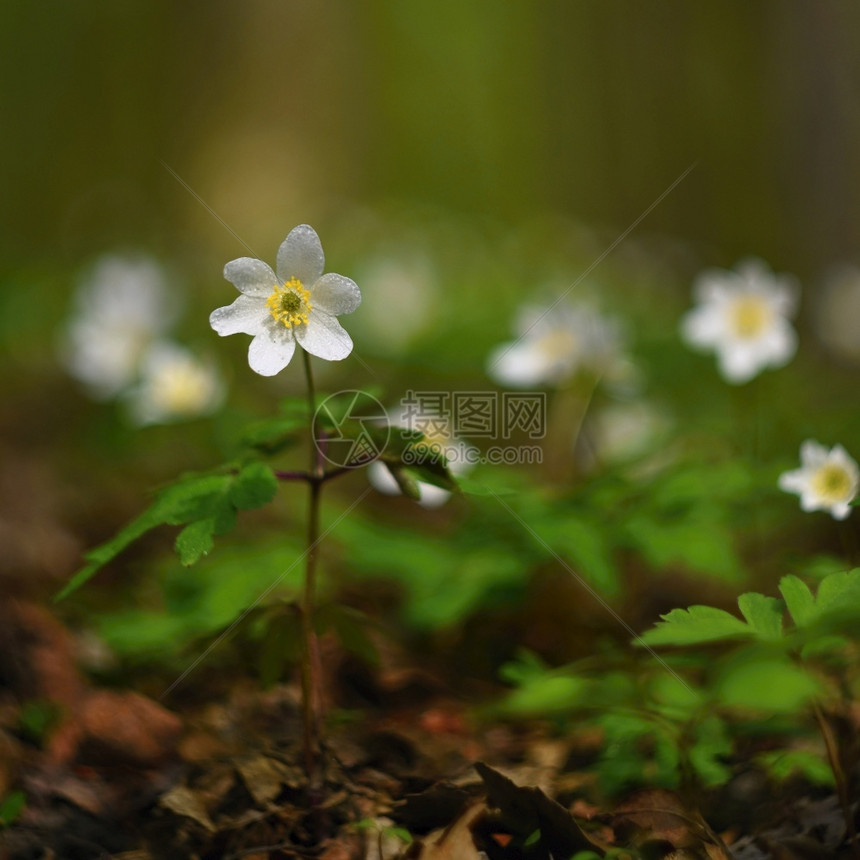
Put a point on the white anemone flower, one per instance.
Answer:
(122, 305)
(175, 385)
(743, 316)
(298, 304)
(826, 480)
(554, 343)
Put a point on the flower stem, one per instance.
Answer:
(311, 691)
(832, 747)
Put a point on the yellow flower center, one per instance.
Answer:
(749, 316)
(558, 344)
(290, 304)
(832, 483)
(183, 389)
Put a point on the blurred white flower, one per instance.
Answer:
(554, 343)
(299, 303)
(624, 431)
(122, 305)
(174, 385)
(837, 313)
(743, 316)
(459, 455)
(826, 480)
(404, 301)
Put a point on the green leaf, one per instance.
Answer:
(254, 486)
(195, 541)
(765, 683)
(211, 498)
(694, 626)
(707, 755)
(585, 544)
(782, 764)
(701, 544)
(11, 807)
(191, 498)
(549, 694)
(798, 598)
(764, 614)
(99, 556)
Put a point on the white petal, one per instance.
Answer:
(810, 501)
(840, 511)
(517, 364)
(739, 363)
(335, 294)
(267, 356)
(714, 286)
(431, 495)
(250, 276)
(381, 479)
(794, 482)
(703, 327)
(812, 454)
(247, 315)
(840, 457)
(324, 336)
(779, 344)
(301, 256)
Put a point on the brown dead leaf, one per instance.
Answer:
(525, 810)
(187, 803)
(265, 777)
(455, 842)
(127, 727)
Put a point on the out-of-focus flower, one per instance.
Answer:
(174, 385)
(743, 316)
(404, 301)
(836, 314)
(825, 481)
(121, 306)
(299, 303)
(460, 457)
(554, 343)
(624, 431)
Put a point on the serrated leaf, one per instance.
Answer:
(99, 556)
(254, 486)
(763, 614)
(839, 591)
(191, 498)
(195, 541)
(694, 626)
(799, 600)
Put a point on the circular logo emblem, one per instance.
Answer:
(350, 429)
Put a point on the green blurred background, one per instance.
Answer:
(282, 112)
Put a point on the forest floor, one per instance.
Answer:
(406, 771)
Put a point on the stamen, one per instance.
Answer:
(749, 316)
(832, 483)
(290, 304)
